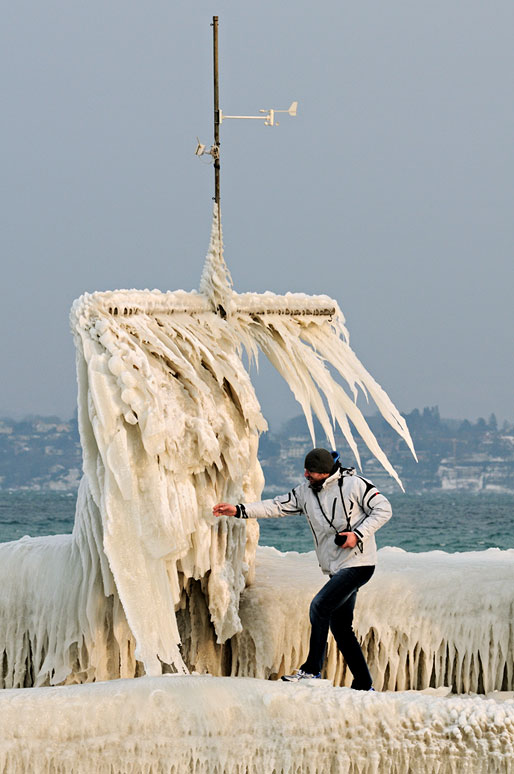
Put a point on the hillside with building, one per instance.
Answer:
(44, 454)
(452, 454)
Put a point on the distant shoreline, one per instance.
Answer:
(45, 454)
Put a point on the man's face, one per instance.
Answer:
(315, 478)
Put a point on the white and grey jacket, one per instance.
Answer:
(346, 502)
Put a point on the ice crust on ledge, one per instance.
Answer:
(424, 620)
(213, 725)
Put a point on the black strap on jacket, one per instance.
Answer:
(330, 522)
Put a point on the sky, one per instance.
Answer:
(391, 191)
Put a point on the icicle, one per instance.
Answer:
(298, 347)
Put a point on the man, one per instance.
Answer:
(344, 511)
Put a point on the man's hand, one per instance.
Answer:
(351, 539)
(224, 509)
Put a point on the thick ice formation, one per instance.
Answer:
(177, 724)
(169, 425)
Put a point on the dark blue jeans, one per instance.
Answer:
(333, 607)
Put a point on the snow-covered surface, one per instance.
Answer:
(225, 725)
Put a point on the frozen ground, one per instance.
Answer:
(200, 724)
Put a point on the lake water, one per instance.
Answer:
(428, 522)
(445, 521)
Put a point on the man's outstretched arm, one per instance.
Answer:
(283, 505)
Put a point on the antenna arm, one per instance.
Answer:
(256, 118)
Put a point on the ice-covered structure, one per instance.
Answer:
(169, 425)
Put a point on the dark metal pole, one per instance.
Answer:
(216, 156)
(216, 114)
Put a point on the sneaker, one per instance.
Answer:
(300, 675)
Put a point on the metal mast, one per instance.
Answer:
(268, 117)
(216, 147)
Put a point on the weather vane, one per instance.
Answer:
(214, 151)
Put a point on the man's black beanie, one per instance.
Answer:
(319, 461)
